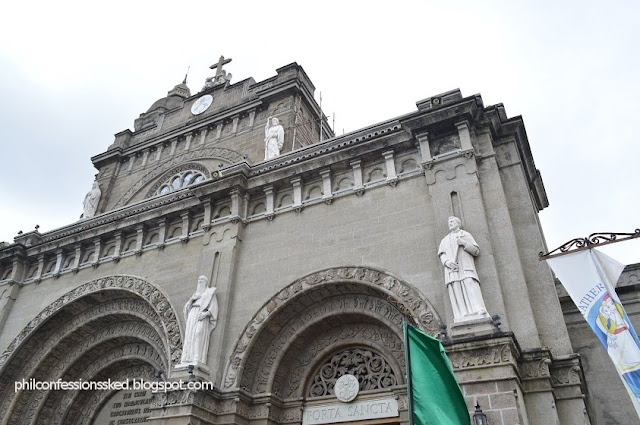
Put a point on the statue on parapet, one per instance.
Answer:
(457, 251)
(90, 203)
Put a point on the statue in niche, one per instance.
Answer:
(273, 138)
(457, 251)
(200, 315)
(91, 201)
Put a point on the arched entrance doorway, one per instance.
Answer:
(337, 322)
(117, 328)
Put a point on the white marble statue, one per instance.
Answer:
(91, 201)
(457, 251)
(273, 138)
(200, 315)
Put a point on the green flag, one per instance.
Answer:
(434, 395)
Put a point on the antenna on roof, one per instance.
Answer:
(320, 117)
(186, 75)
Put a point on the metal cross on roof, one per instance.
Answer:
(218, 66)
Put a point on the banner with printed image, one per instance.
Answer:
(590, 278)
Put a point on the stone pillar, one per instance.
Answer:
(116, 253)
(185, 216)
(203, 134)
(139, 239)
(425, 150)
(208, 207)
(187, 141)
(174, 144)
(97, 245)
(159, 151)
(38, 276)
(162, 232)
(145, 156)
(219, 130)
(327, 194)
(234, 128)
(390, 166)
(465, 137)
(297, 193)
(58, 266)
(358, 186)
(78, 254)
(269, 202)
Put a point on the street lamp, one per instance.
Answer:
(479, 418)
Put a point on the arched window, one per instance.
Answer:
(179, 178)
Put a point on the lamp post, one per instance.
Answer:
(479, 418)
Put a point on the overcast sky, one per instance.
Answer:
(74, 74)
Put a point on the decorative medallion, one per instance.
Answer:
(201, 104)
(346, 388)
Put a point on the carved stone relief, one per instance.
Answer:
(229, 155)
(140, 287)
(415, 305)
(371, 370)
(63, 338)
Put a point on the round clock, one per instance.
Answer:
(201, 104)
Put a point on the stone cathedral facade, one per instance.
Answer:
(317, 254)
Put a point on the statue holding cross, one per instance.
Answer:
(220, 77)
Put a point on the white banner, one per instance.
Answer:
(590, 278)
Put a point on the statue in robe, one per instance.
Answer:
(91, 201)
(200, 315)
(457, 251)
(273, 138)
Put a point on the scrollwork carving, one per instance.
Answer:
(415, 305)
(133, 284)
(370, 368)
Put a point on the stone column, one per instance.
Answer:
(174, 144)
(425, 150)
(185, 216)
(162, 232)
(58, 266)
(116, 253)
(327, 194)
(358, 186)
(97, 244)
(269, 201)
(390, 166)
(145, 156)
(236, 120)
(139, 238)
(297, 193)
(78, 254)
(465, 137)
(38, 276)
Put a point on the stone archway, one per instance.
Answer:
(284, 340)
(116, 327)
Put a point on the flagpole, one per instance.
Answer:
(407, 361)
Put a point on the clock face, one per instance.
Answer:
(201, 104)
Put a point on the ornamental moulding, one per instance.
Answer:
(404, 296)
(147, 291)
(231, 156)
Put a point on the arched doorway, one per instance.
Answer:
(118, 328)
(341, 321)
